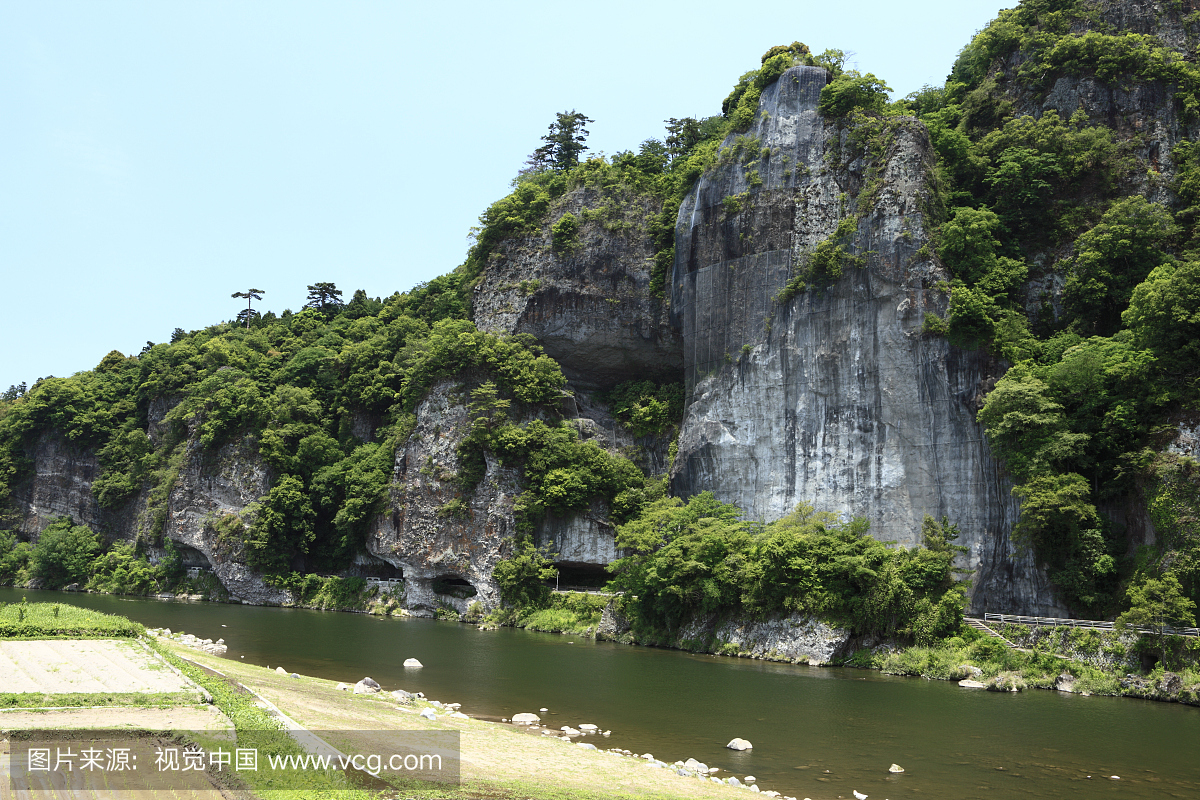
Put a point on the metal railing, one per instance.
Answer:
(1057, 622)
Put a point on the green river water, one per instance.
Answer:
(817, 732)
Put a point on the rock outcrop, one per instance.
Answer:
(834, 397)
(588, 303)
(61, 486)
(212, 485)
(423, 533)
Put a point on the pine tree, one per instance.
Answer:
(564, 143)
(324, 297)
(250, 296)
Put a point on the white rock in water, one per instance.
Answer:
(749, 779)
(525, 719)
(588, 727)
(569, 731)
(543, 710)
(896, 769)
(970, 684)
(412, 662)
(739, 744)
(281, 670)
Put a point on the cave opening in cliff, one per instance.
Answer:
(454, 586)
(574, 575)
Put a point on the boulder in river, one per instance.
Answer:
(970, 684)
(412, 662)
(739, 744)
(895, 769)
(588, 727)
(525, 719)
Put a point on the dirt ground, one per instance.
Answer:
(60, 666)
(495, 754)
(177, 718)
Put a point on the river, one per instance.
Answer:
(817, 732)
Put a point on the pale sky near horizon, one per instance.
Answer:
(156, 157)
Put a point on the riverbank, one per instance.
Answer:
(1080, 661)
(498, 760)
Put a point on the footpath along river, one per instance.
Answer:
(817, 732)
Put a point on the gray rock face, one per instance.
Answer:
(212, 485)
(581, 539)
(420, 538)
(796, 637)
(589, 306)
(61, 487)
(835, 397)
(1187, 440)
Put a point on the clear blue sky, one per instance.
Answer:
(157, 156)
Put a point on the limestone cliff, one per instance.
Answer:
(587, 302)
(208, 485)
(834, 397)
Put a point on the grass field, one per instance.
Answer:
(61, 621)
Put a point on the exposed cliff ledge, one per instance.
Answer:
(589, 303)
(794, 638)
(210, 485)
(61, 486)
(417, 534)
(834, 397)
(436, 548)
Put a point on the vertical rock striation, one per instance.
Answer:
(835, 396)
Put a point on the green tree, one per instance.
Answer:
(852, 90)
(283, 527)
(1164, 314)
(14, 556)
(682, 136)
(64, 553)
(564, 143)
(1025, 425)
(1157, 604)
(523, 576)
(325, 297)
(1114, 257)
(250, 295)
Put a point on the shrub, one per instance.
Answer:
(64, 553)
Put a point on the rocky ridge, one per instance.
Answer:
(834, 397)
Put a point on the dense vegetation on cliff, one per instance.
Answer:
(1100, 370)
(296, 388)
(1074, 262)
